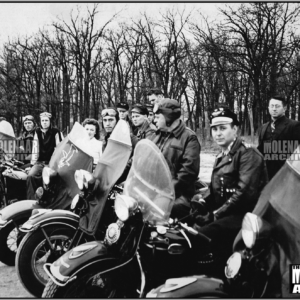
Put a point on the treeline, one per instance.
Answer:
(74, 69)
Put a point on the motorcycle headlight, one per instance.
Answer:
(233, 265)
(250, 229)
(75, 201)
(47, 174)
(83, 178)
(124, 205)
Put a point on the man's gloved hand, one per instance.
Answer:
(203, 220)
(198, 205)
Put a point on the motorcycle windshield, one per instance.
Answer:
(150, 183)
(70, 155)
(108, 170)
(279, 205)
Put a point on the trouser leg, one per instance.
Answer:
(34, 180)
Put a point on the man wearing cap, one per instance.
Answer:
(238, 177)
(143, 128)
(123, 111)
(25, 141)
(151, 114)
(155, 95)
(45, 140)
(181, 149)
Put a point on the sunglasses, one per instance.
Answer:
(28, 118)
(108, 112)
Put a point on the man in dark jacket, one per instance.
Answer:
(45, 140)
(278, 138)
(239, 175)
(181, 149)
(142, 126)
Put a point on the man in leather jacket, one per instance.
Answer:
(239, 175)
(143, 128)
(181, 149)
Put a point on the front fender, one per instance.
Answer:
(16, 210)
(45, 217)
(190, 287)
(93, 254)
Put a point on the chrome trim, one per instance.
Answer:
(3, 223)
(47, 265)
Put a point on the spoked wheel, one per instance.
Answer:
(10, 238)
(91, 285)
(35, 251)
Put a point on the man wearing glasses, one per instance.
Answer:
(45, 140)
(278, 138)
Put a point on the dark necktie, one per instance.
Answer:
(273, 126)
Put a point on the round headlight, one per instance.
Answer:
(250, 229)
(74, 201)
(47, 173)
(233, 265)
(123, 206)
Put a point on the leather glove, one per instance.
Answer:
(198, 205)
(203, 220)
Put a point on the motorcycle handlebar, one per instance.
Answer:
(195, 232)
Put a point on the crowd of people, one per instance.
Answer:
(239, 174)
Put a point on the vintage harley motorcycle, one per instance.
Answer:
(142, 247)
(52, 232)
(58, 190)
(268, 243)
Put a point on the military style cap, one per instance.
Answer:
(140, 109)
(123, 105)
(222, 116)
(150, 107)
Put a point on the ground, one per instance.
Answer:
(11, 287)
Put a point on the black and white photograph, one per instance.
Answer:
(149, 150)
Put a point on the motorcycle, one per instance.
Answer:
(264, 250)
(11, 169)
(50, 233)
(58, 191)
(141, 248)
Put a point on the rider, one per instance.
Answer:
(110, 118)
(238, 176)
(123, 112)
(45, 140)
(25, 141)
(93, 129)
(181, 149)
(143, 127)
(151, 114)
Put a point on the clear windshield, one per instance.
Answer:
(150, 183)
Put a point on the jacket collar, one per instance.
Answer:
(177, 131)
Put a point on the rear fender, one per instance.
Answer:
(46, 217)
(17, 210)
(95, 255)
(190, 287)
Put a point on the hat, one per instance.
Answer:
(123, 105)
(170, 108)
(154, 90)
(140, 109)
(45, 114)
(28, 118)
(222, 116)
(149, 107)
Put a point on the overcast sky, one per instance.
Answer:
(26, 18)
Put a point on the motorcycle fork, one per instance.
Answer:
(71, 245)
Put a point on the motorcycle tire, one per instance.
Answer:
(88, 285)
(10, 240)
(34, 251)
